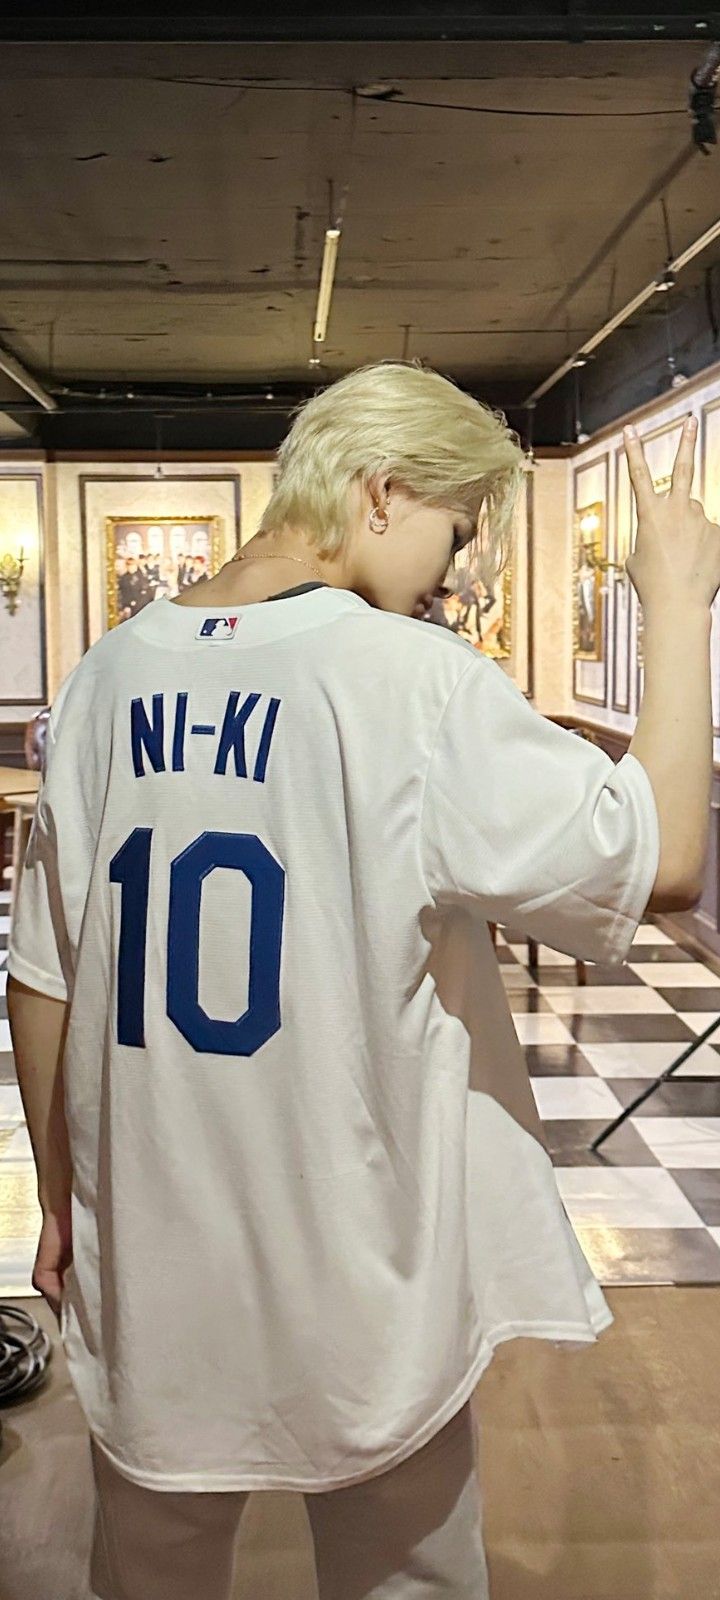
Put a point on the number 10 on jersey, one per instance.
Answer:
(240, 852)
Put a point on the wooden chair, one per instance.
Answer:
(532, 946)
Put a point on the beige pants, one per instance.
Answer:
(413, 1533)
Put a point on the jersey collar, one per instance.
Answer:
(311, 605)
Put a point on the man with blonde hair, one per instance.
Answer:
(296, 1192)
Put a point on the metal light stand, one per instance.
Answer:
(656, 1084)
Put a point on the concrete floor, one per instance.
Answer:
(601, 1471)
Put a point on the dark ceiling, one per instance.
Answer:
(165, 205)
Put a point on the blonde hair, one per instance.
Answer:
(417, 427)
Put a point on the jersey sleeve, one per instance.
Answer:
(39, 951)
(536, 826)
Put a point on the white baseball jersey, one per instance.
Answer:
(311, 1193)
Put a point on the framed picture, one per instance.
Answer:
(481, 616)
(148, 558)
(589, 543)
(622, 591)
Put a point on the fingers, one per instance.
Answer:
(639, 470)
(684, 467)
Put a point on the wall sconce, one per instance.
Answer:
(616, 568)
(588, 524)
(11, 571)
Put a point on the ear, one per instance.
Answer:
(379, 485)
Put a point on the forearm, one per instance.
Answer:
(37, 1028)
(673, 737)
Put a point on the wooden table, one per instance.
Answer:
(17, 780)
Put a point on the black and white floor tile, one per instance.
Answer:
(646, 1205)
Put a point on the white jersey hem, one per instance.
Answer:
(201, 1482)
(34, 977)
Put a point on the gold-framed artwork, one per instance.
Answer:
(589, 546)
(483, 617)
(621, 599)
(147, 558)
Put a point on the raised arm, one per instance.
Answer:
(675, 570)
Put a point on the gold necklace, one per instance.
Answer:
(240, 556)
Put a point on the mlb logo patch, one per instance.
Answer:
(217, 628)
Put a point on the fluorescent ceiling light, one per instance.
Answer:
(25, 380)
(327, 278)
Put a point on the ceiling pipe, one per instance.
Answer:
(671, 267)
(25, 380)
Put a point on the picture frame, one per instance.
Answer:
(482, 618)
(589, 546)
(622, 595)
(150, 557)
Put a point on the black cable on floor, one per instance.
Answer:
(25, 1354)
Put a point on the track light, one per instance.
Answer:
(581, 437)
(580, 361)
(327, 278)
(666, 282)
(677, 378)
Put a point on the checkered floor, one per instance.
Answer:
(646, 1205)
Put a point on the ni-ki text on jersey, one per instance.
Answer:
(239, 741)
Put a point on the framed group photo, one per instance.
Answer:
(148, 558)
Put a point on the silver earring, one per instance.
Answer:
(378, 520)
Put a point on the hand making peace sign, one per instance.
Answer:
(677, 550)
